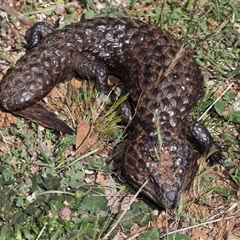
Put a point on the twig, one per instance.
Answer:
(11, 11)
(39, 235)
(201, 224)
(215, 101)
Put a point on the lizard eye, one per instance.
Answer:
(151, 180)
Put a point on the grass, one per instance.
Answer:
(49, 191)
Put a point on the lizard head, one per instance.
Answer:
(168, 169)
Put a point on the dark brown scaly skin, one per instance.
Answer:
(163, 79)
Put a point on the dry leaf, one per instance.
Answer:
(6, 119)
(117, 200)
(76, 83)
(120, 235)
(110, 193)
(85, 138)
